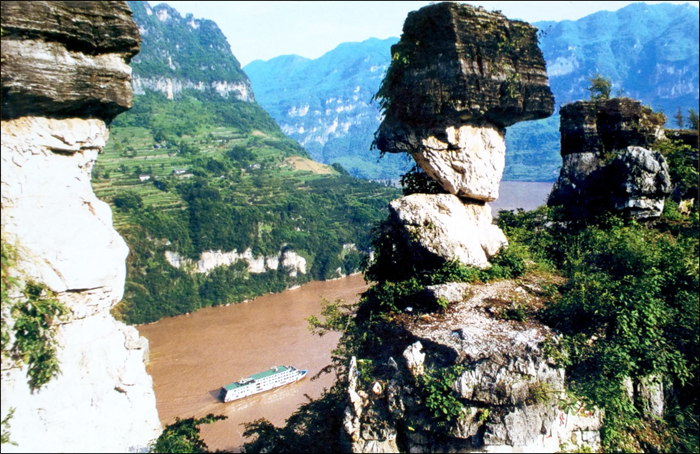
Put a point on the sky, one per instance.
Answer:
(263, 30)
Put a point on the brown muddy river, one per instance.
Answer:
(192, 356)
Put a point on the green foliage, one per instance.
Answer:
(628, 309)
(600, 87)
(128, 200)
(35, 313)
(6, 427)
(313, 427)
(35, 330)
(680, 119)
(416, 181)
(682, 169)
(693, 119)
(182, 436)
(440, 399)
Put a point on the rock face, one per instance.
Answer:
(511, 388)
(256, 264)
(604, 126)
(605, 163)
(64, 76)
(166, 63)
(459, 76)
(439, 227)
(67, 59)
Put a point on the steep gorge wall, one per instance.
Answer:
(166, 64)
(65, 76)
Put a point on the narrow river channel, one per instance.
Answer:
(192, 356)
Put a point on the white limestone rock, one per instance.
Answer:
(467, 162)
(415, 359)
(103, 400)
(440, 225)
(256, 264)
(48, 205)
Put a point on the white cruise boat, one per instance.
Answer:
(262, 381)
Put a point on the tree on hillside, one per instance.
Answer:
(679, 118)
(693, 119)
(600, 87)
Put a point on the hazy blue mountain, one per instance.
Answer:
(326, 104)
(650, 51)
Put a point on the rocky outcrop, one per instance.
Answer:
(509, 389)
(439, 227)
(606, 166)
(601, 127)
(67, 59)
(459, 76)
(65, 75)
(256, 264)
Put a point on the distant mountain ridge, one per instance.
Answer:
(326, 104)
(184, 53)
(650, 51)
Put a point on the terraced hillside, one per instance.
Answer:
(216, 203)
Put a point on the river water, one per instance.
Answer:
(521, 194)
(192, 356)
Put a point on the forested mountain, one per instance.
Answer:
(184, 53)
(650, 51)
(216, 203)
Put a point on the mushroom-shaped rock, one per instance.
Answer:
(459, 76)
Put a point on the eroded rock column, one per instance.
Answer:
(607, 161)
(459, 77)
(65, 76)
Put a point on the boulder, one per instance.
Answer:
(438, 227)
(470, 163)
(640, 182)
(635, 181)
(459, 76)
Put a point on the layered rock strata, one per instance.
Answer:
(510, 388)
(606, 161)
(459, 76)
(65, 75)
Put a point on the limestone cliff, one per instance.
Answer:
(65, 76)
(181, 53)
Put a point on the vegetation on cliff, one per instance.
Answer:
(33, 312)
(625, 303)
(222, 176)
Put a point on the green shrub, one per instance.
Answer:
(183, 435)
(442, 402)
